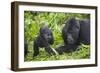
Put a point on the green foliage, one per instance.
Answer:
(82, 53)
(32, 23)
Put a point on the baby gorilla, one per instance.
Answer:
(44, 39)
(74, 33)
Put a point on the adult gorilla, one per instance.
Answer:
(74, 33)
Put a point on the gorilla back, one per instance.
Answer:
(84, 34)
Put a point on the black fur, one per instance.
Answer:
(44, 39)
(74, 33)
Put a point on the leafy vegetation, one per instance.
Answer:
(32, 23)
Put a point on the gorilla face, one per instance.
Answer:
(49, 37)
(70, 31)
(47, 34)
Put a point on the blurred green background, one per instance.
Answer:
(34, 20)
